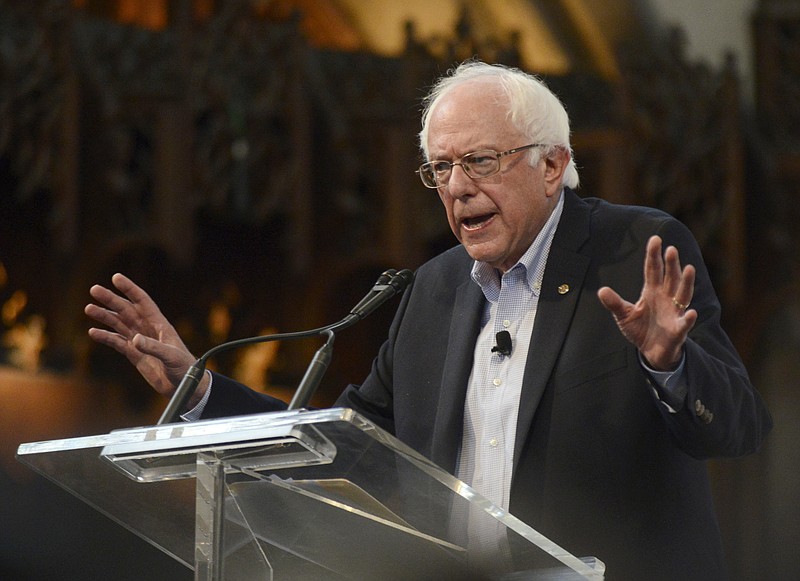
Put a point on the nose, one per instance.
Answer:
(460, 184)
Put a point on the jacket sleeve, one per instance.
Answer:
(723, 414)
(231, 398)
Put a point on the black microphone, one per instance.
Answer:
(382, 281)
(504, 343)
(383, 292)
(389, 284)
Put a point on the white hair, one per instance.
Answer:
(533, 109)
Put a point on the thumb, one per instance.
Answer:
(611, 301)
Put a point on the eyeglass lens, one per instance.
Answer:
(479, 164)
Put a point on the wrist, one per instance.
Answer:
(663, 361)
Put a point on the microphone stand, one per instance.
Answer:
(314, 372)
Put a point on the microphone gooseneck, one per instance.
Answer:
(389, 284)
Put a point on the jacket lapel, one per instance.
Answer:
(561, 288)
(464, 328)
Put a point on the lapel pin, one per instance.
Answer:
(563, 289)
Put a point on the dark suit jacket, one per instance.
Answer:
(600, 466)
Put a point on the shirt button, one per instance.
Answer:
(506, 323)
(493, 442)
(497, 382)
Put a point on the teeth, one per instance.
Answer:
(474, 222)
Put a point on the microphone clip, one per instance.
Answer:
(504, 344)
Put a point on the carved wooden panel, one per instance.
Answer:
(231, 124)
(686, 151)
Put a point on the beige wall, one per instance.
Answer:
(713, 28)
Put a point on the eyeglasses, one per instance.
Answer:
(477, 165)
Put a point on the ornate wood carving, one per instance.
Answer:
(686, 150)
(234, 118)
(32, 87)
(776, 28)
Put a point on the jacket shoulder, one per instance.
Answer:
(448, 266)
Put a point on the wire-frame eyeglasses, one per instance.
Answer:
(478, 164)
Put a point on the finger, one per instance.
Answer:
(688, 320)
(150, 346)
(685, 291)
(101, 336)
(672, 272)
(100, 314)
(108, 298)
(653, 263)
(169, 355)
(113, 340)
(133, 291)
(108, 318)
(684, 324)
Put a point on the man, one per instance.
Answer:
(593, 424)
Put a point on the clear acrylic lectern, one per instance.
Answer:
(318, 495)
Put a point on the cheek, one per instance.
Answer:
(527, 221)
(447, 202)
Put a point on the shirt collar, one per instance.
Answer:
(532, 262)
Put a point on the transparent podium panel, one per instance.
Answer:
(299, 495)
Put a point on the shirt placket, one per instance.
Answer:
(494, 443)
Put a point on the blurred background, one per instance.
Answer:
(251, 164)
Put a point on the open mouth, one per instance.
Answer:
(476, 222)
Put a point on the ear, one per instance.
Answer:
(554, 167)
